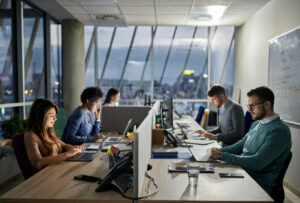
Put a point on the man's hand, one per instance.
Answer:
(200, 131)
(209, 136)
(98, 112)
(213, 153)
(99, 136)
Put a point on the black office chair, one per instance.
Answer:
(278, 192)
(248, 122)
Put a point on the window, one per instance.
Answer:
(56, 66)
(34, 65)
(7, 84)
(179, 59)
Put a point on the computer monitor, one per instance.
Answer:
(169, 112)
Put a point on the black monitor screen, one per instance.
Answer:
(169, 107)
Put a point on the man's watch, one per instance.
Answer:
(220, 155)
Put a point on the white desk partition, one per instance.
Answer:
(156, 107)
(142, 152)
(155, 111)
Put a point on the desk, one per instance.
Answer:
(55, 183)
(210, 188)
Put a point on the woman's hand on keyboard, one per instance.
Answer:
(73, 151)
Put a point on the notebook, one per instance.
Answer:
(199, 154)
(84, 156)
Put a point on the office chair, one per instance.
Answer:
(248, 122)
(200, 114)
(278, 192)
(21, 155)
(60, 123)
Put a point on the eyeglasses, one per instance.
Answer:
(252, 106)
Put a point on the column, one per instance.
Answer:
(73, 69)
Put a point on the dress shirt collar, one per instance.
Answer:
(226, 106)
(269, 119)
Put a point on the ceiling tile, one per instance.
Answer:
(174, 2)
(103, 10)
(173, 10)
(137, 10)
(135, 2)
(75, 10)
(171, 19)
(140, 19)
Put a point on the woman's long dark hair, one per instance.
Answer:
(111, 92)
(36, 123)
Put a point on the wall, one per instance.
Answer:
(251, 61)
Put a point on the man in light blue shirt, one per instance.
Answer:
(264, 149)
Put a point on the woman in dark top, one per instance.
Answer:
(84, 122)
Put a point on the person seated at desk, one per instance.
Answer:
(84, 124)
(42, 146)
(231, 128)
(264, 149)
(112, 97)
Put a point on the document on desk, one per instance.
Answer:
(201, 142)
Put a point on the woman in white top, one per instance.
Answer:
(112, 97)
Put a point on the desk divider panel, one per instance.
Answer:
(142, 152)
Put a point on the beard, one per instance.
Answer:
(259, 116)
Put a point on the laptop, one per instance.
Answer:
(84, 156)
(118, 139)
(108, 141)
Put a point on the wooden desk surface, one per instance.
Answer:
(210, 188)
(56, 184)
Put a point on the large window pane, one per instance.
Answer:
(219, 50)
(89, 71)
(162, 43)
(7, 84)
(34, 56)
(56, 67)
(133, 85)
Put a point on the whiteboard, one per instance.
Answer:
(284, 74)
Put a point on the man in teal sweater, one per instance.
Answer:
(264, 149)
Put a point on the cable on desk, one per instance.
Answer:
(151, 180)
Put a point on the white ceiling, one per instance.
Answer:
(148, 12)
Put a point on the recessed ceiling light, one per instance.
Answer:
(203, 17)
(107, 17)
(208, 13)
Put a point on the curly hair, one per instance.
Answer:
(91, 94)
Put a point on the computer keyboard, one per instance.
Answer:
(82, 157)
(199, 154)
